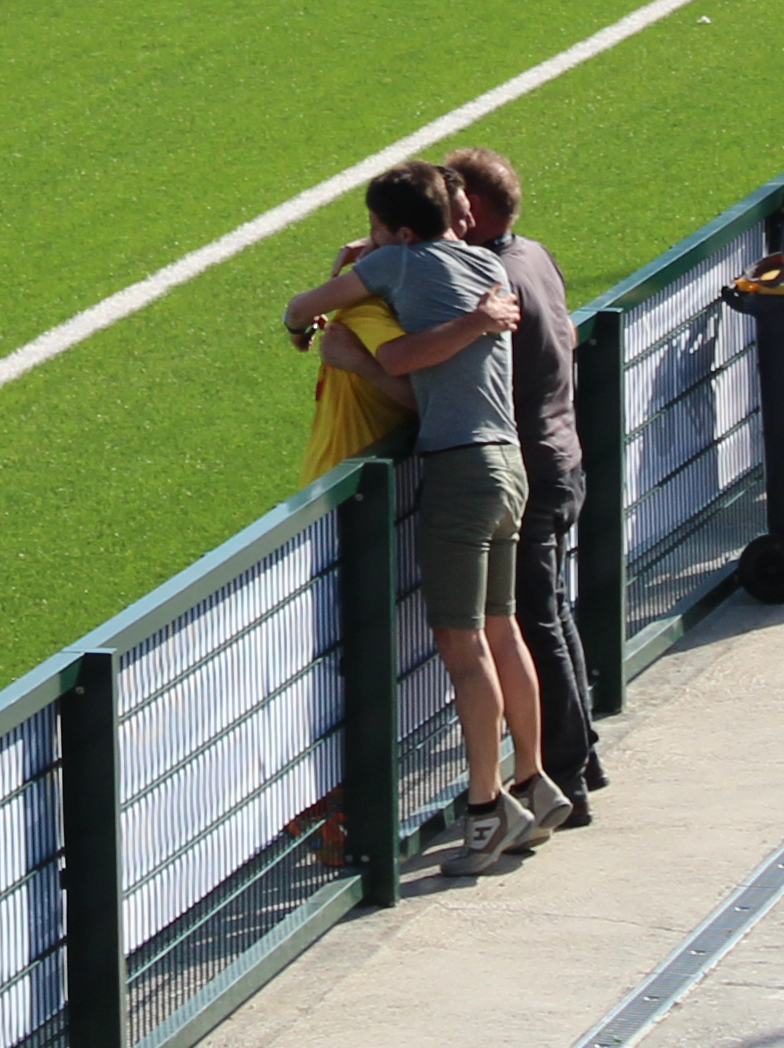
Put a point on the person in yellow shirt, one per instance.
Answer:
(351, 410)
(357, 402)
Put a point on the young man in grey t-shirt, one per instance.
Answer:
(474, 486)
(543, 358)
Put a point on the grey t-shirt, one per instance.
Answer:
(468, 398)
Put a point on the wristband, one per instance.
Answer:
(294, 331)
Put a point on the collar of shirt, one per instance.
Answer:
(498, 242)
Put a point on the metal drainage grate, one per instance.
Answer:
(633, 1018)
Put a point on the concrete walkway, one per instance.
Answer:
(538, 950)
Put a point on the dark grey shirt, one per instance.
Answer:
(542, 351)
(466, 399)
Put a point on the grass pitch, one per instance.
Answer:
(153, 129)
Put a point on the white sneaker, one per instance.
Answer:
(486, 836)
(549, 807)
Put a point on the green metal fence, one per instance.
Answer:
(200, 787)
(668, 410)
(172, 777)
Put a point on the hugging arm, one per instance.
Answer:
(308, 307)
(423, 349)
(341, 348)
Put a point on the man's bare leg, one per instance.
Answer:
(520, 690)
(479, 700)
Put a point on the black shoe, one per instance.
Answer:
(596, 777)
(581, 814)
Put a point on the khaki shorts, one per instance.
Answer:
(472, 504)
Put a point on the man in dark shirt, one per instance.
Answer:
(543, 398)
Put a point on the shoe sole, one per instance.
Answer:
(555, 816)
(574, 822)
(536, 839)
(542, 830)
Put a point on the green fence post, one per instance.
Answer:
(367, 581)
(602, 548)
(96, 962)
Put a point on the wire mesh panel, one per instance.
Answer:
(431, 755)
(32, 934)
(231, 755)
(693, 434)
(231, 730)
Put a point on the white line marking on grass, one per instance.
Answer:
(137, 296)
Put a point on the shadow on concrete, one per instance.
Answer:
(421, 875)
(771, 1040)
(740, 614)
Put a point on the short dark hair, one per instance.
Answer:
(489, 175)
(412, 195)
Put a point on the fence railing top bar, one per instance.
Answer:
(37, 689)
(218, 566)
(397, 445)
(684, 256)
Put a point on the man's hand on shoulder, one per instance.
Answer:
(500, 312)
(351, 252)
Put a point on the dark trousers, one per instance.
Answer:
(545, 618)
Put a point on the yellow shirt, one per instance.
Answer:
(350, 412)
